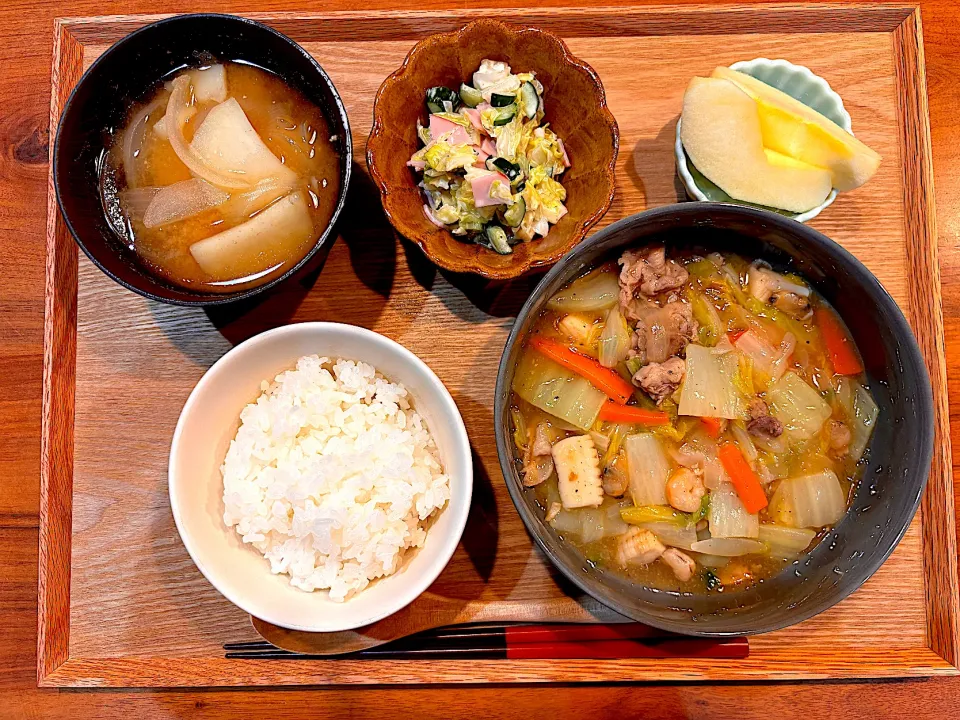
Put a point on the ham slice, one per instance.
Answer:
(458, 134)
(474, 116)
(482, 156)
(417, 164)
(488, 146)
(481, 186)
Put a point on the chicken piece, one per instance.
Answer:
(638, 546)
(648, 271)
(839, 436)
(683, 565)
(578, 472)
(661, 380)
(685, 490)
(762, 423)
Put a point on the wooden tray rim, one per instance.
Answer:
(55, 666)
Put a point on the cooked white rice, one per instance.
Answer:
(332, 475)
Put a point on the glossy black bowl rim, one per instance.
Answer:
(901, 329)
(215, 299)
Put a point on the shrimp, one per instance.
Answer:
(685, 490)
(681, 563)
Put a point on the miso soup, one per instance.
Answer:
(222, 178)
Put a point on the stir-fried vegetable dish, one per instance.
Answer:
(695, 422)
(490, 164)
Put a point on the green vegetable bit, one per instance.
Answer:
(711, 581)
(470, 96)
(498, 239)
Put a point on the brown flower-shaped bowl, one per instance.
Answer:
(575, 107)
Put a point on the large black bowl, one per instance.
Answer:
(119, 78)
(900, 451)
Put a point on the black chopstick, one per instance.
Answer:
(544, 641)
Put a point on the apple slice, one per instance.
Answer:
(775, 158)
(791, 128)
(721, 134)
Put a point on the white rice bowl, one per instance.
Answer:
(333, 476)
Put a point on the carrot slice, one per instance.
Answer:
(842, 351)
(612, 412)
(734, 335)
(713, 426)
(604, 379)
(745, 480)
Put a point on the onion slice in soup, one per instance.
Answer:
(182, 200)
(728, 547)
(133, 140)
(135, 201)
(241, 206)
(178, 112)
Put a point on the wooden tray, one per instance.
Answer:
(120, 602)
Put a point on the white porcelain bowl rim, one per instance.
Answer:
(412, 585)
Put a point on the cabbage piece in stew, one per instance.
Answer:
(693, 422)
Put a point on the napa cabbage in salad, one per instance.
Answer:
(490, 166)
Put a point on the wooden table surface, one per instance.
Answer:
(26, 31)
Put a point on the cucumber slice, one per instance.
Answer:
(498, 100)
(471, 96)
(530, 100)
(514, 213)
(436, 96)
(506, 115)
(498, 239)
(505, 166)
